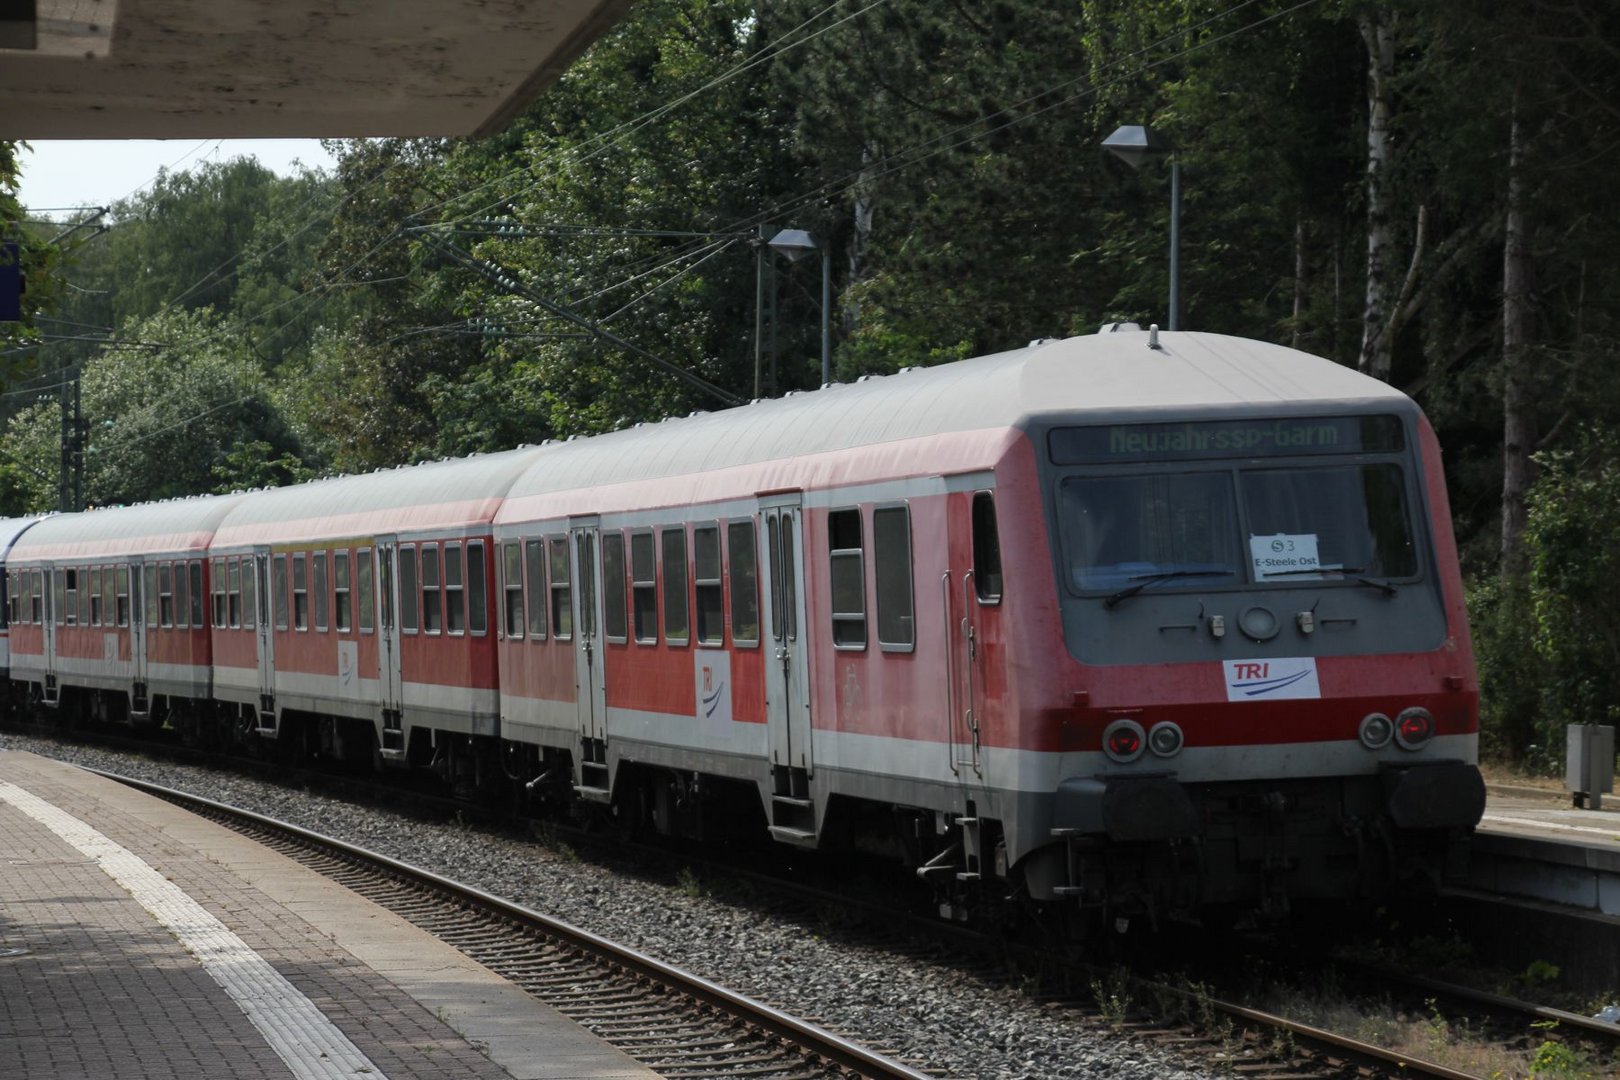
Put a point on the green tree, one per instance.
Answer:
(180, 409)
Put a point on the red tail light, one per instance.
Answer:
(1413, 728)
(1123, 740)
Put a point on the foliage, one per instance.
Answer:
(182, 412)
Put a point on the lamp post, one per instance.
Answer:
(1134, 144)
(795, 244)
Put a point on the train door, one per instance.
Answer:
(787, 677)
(591, 699)
(52, 605)
(970, 585)
(390, 672)
(258, 565)
(140, 632)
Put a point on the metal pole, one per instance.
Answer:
(759, 303)
(1175, 243)
(826, 314)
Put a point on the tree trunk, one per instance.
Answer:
(860, 239)
(1377, 333)
(1518, 435)
(1299, 277)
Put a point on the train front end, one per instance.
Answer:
(1268, 691)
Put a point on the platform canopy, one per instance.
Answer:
(172, 69)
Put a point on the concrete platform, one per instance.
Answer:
(137, 940)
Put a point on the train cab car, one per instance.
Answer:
(1134, 621)
(350, 616)
(109, 613)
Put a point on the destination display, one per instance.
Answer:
(1258, 437)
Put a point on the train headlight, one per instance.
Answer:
(1376, 731)
(1413, 728)
(1165, 739)
(1123, 740)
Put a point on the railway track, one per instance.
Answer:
(679, 1024)
(682, 1026)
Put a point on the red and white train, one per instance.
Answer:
(1135, 622)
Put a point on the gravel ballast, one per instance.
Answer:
(926, 1013)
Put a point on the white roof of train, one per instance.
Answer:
(11, 528)
(1102, 373)
(174, 525)
(444, 494)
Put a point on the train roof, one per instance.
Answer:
(1102, 375)
(447, 494)
(11, 528)
(173, 525)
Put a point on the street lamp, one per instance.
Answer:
(796, 244)
(1134, 144)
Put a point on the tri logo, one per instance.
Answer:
(1278, 678)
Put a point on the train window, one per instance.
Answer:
(615, 622)
(891, 565)
(1345, 515)
(512, 589)
(1125, 530)
(72, 597)
(278, 586)
(432, 597)
(534, 564)
(709, 610)
(455, 596)
(182, 598)
(644, 586)
(407, 589)
(123, 596)
(986, 549)
(847, 573)
(362, 573)
(342, 602)
(250, 603)
(92, 588)
(36, 599)
(744, 582)
(197, 599)
(300, 592)
(149, 592)
(165, 594)
(675, 601)
(59, 598)
(109, 596)
(318, 585)
(477, 589)
(233, 589)
(562, 594)
(85, 589)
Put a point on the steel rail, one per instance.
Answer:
(810, 1039)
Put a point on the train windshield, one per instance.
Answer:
(1249, 525)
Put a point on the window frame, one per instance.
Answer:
(644, 586)
(342, 594)
(561, 597)
(511, 566)
(838, 559)
(300, 592)
(454, 582)
(365, 585)
(434, 625)
(879, 578)
(986, 535)
(319, 582)
(713, 587)
(410, 596)
(615, 591)
(536, 591)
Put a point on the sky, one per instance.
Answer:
(59, 176)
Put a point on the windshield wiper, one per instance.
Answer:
(1353, 572)
(1144, 580)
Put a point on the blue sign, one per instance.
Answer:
(10, 283)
